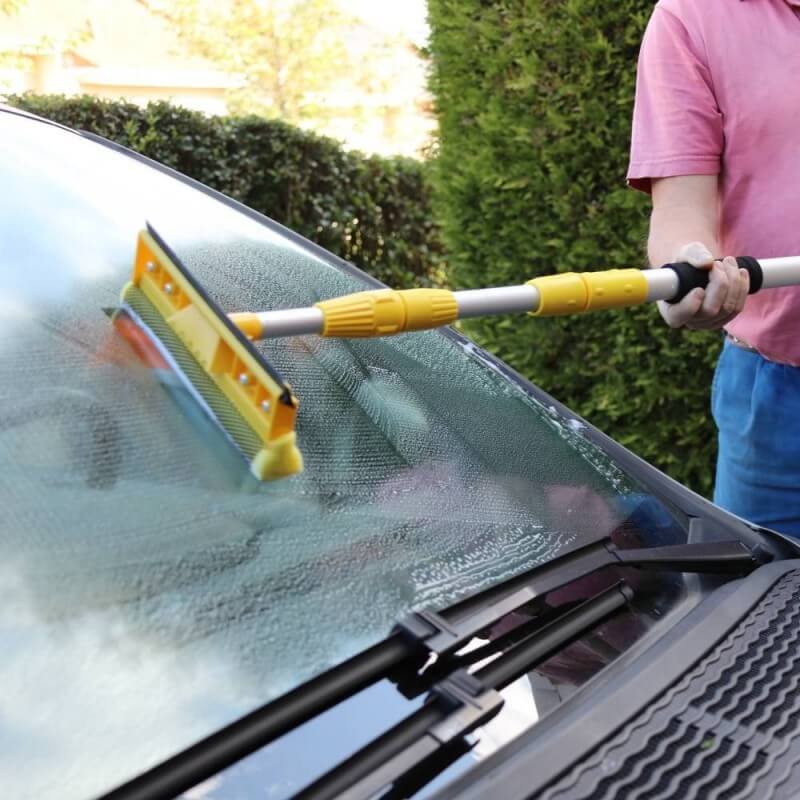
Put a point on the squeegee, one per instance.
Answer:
(213, 356)
(231, 381)
(385, 312)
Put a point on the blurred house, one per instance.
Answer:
(107, 49)
(393, 113)
(120, 49)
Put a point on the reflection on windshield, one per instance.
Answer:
(154, 590)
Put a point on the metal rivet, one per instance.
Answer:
(150, 266)
(265, 405)
(244, 379)
(169, 288)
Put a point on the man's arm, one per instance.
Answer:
(684, 226)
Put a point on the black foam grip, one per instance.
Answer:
(690, 277)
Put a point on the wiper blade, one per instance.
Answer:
(400, 656)
(424, 744)
(410, 754)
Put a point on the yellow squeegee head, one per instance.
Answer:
(245, 395)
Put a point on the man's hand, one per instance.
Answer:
(686, 208)
(716, 305)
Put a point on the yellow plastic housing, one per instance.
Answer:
(248, 323)
(577, 292)
(236, 372)
(385, 312)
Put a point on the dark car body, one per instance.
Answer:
(161, 604)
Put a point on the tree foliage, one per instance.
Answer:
(372, 211)
(17, 57)
(9, 7)
(286, 53)
(534, 100)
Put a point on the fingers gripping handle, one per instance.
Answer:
(690, 277)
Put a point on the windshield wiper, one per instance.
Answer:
(423, 634)
(425, 743)
(443, 633)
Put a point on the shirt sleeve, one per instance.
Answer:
(677, 124)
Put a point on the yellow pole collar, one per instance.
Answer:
(384, 312)
(577, 292)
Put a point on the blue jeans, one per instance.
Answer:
(756, 405)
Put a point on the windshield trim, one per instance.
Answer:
(673, 494)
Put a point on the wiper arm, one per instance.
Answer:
(401, 655)
(443, 633)
(415, 750)
(425, 743)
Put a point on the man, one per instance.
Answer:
(716, 141)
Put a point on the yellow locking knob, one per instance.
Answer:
(384, 312)
(576, 292)
(560, 294)
(615, 288)
(428, 308)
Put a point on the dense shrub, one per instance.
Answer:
(372, 211)
(534, 100)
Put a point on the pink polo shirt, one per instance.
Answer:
(718, 93)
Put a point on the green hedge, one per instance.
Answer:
(534, 100)
(374, 212)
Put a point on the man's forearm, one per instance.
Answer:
(671, 228)
(685, 209)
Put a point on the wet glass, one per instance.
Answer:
(153, 590)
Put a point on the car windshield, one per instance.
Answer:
(153, 590)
